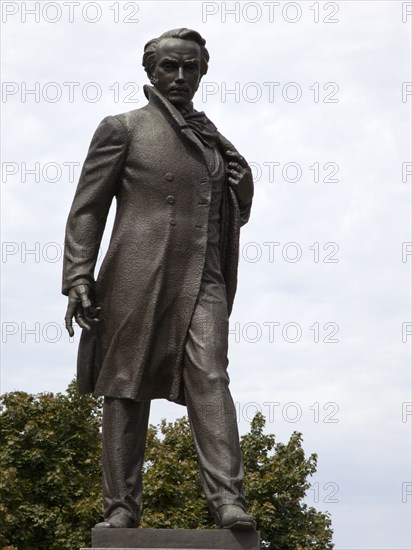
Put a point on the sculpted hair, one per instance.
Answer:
(149, 55)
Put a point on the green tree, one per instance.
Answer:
(50, 485)
(276, 481)
(50, 462)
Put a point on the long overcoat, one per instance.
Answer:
(154, 164)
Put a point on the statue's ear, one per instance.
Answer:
(153, 79)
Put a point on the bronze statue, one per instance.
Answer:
(155, 322)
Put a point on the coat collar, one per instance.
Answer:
(175, 117)
(157, 99)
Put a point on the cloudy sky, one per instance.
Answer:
(316, 96)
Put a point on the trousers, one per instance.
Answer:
(211, 413)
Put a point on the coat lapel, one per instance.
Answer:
(174, 117)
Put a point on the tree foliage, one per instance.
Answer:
(276, 481)
(50, 485)
(50, 470)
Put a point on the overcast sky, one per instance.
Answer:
(316, 96)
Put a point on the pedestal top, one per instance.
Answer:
(176, 539)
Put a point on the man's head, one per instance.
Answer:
(175, 63)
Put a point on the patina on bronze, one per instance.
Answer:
(155, 321)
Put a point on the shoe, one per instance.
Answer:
(234, 517)
(118, 520)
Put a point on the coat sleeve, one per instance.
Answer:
(94, 194)
(245, 214)
(244, 194)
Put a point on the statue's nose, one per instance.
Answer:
(180, 76)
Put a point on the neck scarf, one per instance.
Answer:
(200, 125)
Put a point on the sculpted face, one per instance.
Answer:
(177, 70)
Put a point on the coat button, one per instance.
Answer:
(169, 176)
(203, 202)
(170, 199)
(172, 222)
(203, 180)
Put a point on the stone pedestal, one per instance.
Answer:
(176, 539)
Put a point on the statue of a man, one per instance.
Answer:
(155, 322)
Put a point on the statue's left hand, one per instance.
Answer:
(240, 177)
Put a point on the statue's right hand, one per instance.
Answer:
(80, 307)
